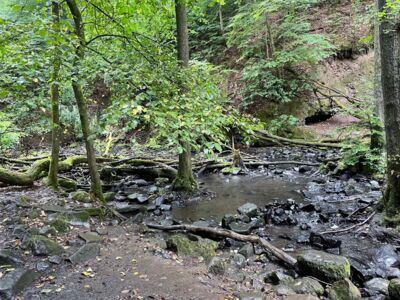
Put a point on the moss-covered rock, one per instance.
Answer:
(307, 285)
(394, 288)
(196, 246)
(68, 184)
(344, 290)
(216, 266)
(109, 196)
(81, 196)
(41, 245)
(77, 215)
(60, 224)
(324, 266)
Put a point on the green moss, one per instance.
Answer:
(182, 245)
(34, 214)
(109, 196)
(67, 184)
(60, 224)
(81, 196)
(45, 246)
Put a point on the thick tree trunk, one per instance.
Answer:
(184, 180)
(55, 96)
(389, 38)
(28, 177)
(96, 188)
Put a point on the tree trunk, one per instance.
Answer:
(221, 19)
(184, 180)
(55, 96)
(389, 38)
(96, 188)
(377, 140)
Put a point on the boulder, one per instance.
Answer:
(81, 196)
(240, 227)
(247, 250)
(7, 257)
(248, 209)
(216, 266)
(239, 260)
(196, 246)
(14, 282)
(67, 184)
(278, 277)
(344, 290)
(394, 288)
(377, 286)
(324, 266)
(41, 245)
(307, 285)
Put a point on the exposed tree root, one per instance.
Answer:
(212, 232)
(28, 177)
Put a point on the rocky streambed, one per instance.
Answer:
(327, 223)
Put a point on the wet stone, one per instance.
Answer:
(247, 250)
(344, 290)
(240, 227)
(307, 285)
(159, 201)
(152, 189)
(90, 237)
(394, 289)
(14, 282)
(277, 277)
(85, 253)
(377, 286)
(239, 260)
(165, 207)
(141, 182)
(248, 209)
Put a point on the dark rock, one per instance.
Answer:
(248, 209)
(14, 282)
(323, 242)
(247, 250)
(42, 266)
(394, 289)
(240, 227)
(309, 207)
(216, 266)
(279, 211)
(41, 245)
(377, 286)
(7, 257)
(256, 223)
(130, 208)
(324, 266)
(55, 259)
(277, 277)
(159, 201)
(302, 239)
(86, 252)
(20, 231)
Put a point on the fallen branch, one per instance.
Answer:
(261, 134)
(233, 235)
(26, 178)
(350, 227)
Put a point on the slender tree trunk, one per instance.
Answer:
(377, 139)
(55, 97)
(184, 180)
(221, 19)
(96, 188)
(389, 38)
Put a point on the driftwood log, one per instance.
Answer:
(281, 255)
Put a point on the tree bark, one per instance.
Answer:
(96, 188)
(55, 97)
(377, 139)
(184, 180)
(389, 38)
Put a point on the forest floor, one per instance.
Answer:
(126, 260)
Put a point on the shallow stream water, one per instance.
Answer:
(233, 191)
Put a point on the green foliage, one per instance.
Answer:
(284, 125)
(9, 134)
(276, 46)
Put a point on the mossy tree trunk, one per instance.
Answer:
(389, 38)
(96, 188)
(184, 180)
(55, 99)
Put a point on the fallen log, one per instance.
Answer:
(26, 178)
(263, 135)
(158, 170)
(281, 255)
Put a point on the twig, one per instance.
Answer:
(350, 227)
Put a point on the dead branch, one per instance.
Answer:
(350, 227)
(233, 235)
